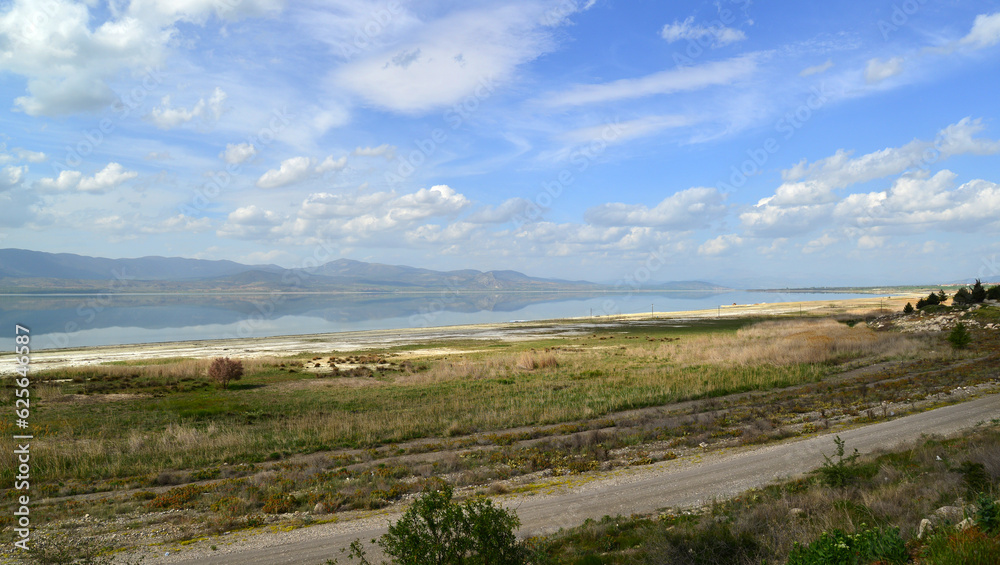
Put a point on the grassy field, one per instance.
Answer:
(360, 430)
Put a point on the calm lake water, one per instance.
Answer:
(79, 321)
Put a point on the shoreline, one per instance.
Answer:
(289, 345)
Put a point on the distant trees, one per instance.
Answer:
(224, 370)
(933, 298)
(977, 295)
(993, 293)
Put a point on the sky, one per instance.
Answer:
(740, 142)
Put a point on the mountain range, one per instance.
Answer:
(23, 270)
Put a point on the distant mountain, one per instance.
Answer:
(21, 263)
(35, 271)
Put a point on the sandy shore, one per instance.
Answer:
(281, 346)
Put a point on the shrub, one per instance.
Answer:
(993, 293)
(987, 514)
(839, 548)
(836, 474)
(715, 544)
(437, 530)
(908, 309)
(959, 336)
(224, 370)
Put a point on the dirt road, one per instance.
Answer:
(680, 483)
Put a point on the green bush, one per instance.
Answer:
(437, 530)
(908, 309)
(987, 514)
(715, 544)
(993, 293)
(971, 547)
(839, 548)
(959, 336)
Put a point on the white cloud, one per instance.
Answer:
(384, 150)
(67, 180)
(819, 243)
(878, 70)
(717, 35)
(11, 177)
(720, 245)
(690, 208)
(30, 156)
(68, 56)
(157, 156)
(664, 82)
(331, 164)
(291, 170)
(106, 179)
(167, 117)
(237, 153)
(985, 31)
(618, 132)
(249, 222)
(817, 69)
(462, 54)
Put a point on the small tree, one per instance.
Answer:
(941, 297)
(962, 297)
(908, 309)
(921, 303)
(959, 336)
(978, 292)
(224, 370)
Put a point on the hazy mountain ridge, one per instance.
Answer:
(35, 271)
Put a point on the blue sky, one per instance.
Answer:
(747, 143)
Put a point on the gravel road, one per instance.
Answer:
(676, 484)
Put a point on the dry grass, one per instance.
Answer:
(789, 342)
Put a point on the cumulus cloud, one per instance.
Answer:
(985, 31)
(664, 82)
(878, 70)
(67, 180)
(720, 245)
(331, 164)
(690, 208)
(384, 150)
(716, 35)
(30, 156)
(67, 55)
(291, 170)
(106, 179)
(238, 153)
(11, 177)
(167, 117)
(249, 222)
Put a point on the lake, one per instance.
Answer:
(94, 320)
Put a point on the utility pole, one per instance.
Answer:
(651, 312)
(720, 311)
